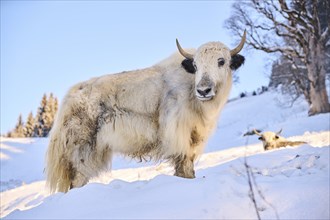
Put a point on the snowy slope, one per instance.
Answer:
(292, 183)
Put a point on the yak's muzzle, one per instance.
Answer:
(205, 89)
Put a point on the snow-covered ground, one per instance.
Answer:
(289, 183)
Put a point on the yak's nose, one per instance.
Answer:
(204, 91)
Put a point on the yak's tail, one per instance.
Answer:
(57, 165)
(58, 168)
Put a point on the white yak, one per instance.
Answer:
(272, 140)
(166, 111)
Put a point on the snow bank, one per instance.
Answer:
(291, 183)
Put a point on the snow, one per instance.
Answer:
(291, 183)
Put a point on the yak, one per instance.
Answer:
(272, 140)
(164, 112)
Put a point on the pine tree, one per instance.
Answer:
(9, 134)
(40, 123)
(48, 116)
(29, 126)
(45, 115)
(19, 128)
(53, 105)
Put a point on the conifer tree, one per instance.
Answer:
(53, 105)
(48, 115)
(19, 128)
(40, 123)
(29, 126)
(9, 134)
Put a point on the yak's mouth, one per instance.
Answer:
(204, 98)
(205, 93)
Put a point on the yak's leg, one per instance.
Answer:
(79, 180)
(91, 162)
(184, 167)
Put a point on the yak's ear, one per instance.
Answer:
(188, 65)
(236, 61)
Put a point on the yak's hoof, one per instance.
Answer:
(188, 176)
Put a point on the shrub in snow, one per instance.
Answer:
(242, 95)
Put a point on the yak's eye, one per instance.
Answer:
(221, 62)
(276, 137)
(261, 138)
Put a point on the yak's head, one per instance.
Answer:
(212, 64)
(269, 139)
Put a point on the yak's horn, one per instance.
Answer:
(279, 132)
(256, 132)
(240, 46)
(183, 53)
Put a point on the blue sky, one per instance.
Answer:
(48, 46)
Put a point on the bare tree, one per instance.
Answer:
(284, 76)
(270, 24)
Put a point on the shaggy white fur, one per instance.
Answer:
(148, 113)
